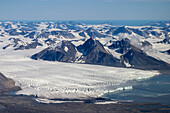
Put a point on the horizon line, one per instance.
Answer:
(81, 20)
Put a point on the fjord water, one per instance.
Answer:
(153, 90)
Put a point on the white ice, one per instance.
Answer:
(64, 80)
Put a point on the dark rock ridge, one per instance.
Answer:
(167, 51)
(143, 32)
(58, 34)
(64, 34)
(93, 52)
(165, 41)
(14, 32)
(20, 45)
(64, 52)
(136, 58)
(140, 60)
(122, 30)
(49, 41)
(82, 34)
(146, 43)
(31, 34)
(44, 34)
(111, 30)
(92, 33)
(156, 33)
(158, 24)
(16, 41)
(5, 47)
(32, 45)
(7, 84)
(123, 45)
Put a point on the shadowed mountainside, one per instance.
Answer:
(93, 52)
(7, 84)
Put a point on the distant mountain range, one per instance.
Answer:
(93, 52)
(103, 44)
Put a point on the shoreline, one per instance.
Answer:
(166, 72)
(25, 104)
(92, 100)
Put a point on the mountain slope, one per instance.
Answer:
(65, 51)
(94, 53)
(140, 60)
(7, 84)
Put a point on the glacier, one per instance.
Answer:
(59, 80)
(53, 80)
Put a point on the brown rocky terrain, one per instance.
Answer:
(7, 84)
(27, 104)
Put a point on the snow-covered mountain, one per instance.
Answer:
(123, 46)
(64, 51)
(93, 52)
(53, 59)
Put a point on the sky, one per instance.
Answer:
(84, 9)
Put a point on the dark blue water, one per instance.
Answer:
(153, 90)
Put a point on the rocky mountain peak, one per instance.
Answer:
(122, 30)
(64, 51)
(89, 45)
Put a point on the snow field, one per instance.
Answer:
(65, 80)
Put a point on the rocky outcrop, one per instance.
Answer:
(92, 33)
(94, 53)
(136, 58)
(44, 34)
(146, 43)
(122, 45)
(167, 52)
(32, 45)
(7, 84)
(16, 42)
(82, 34)
(63, 34)
(14, 32)
(65, 51)
(49, 42)
(166, 40)
(31, 34)
(122, 30)
(5, 47)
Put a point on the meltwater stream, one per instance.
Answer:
(153, 90)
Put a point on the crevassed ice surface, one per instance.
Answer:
(64, 80)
